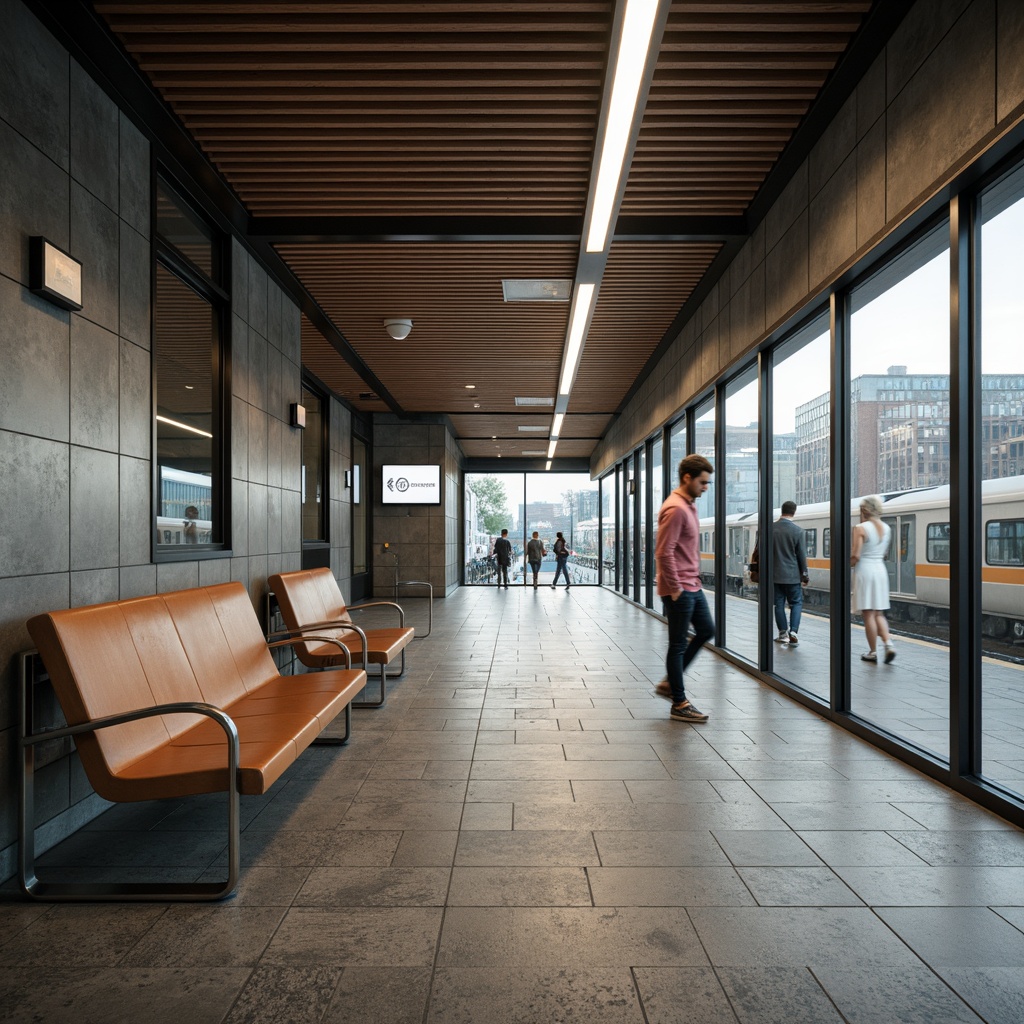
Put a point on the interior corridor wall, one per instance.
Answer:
(949, 84)
(75, 393)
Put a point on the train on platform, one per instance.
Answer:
(918, 556)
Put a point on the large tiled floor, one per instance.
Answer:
(521, 835)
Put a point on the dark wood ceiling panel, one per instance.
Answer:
(468, 113)
(643, 287)
(383, 108)
(463, 331)
(732, 83)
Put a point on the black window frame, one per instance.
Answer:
(931, 542)
(1019, 538)
(811, 542)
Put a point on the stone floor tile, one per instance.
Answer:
(755, 847)
(658, 849)
(113, 995)
(358, 937)
(539, 791)
(797, 936)
(266, 886)
(525, 849)
(206, 936)
(551, 938)
(798, 887)
(693, 994)
(273, 994)
(989, 848)
(926, 886)
(391, 815)
(910, 995)
(995, 993)
(596, 791)
(861, 848)
(426, 849)
(702, 886)
(519, 887)
(961, 938)
(374, 887)
(380, 995)
(479, 816)
(777, 995)
(502, 995)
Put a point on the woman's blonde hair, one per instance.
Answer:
(872, 504)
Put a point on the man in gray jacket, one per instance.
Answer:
(535, 552)
(789, 572)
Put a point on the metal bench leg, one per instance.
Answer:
(336, 741)
(383, 694)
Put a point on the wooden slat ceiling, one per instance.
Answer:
(480, 110)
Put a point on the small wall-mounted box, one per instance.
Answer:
(297, 415)
(54, 274)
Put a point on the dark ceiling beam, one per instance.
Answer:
(385, 230)
(86, 37)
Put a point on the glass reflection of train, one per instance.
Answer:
(185, 508)
(918, 557)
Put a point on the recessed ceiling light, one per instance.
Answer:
(470, 387)
(476, 405)
(190, 387)
(541, 452)
(535, 401)
(517, 289)
(533, 430)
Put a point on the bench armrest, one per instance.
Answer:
(300, 635)
(380, 604)
(302, 639)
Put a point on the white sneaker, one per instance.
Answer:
(783, 637)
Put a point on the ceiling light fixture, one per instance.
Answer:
(469, 387)
(551, 448)
(184, 426)
(630, 61)
(398, 328)
(548, 466)
(556, 424)
(580, 315)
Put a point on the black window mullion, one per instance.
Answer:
(839, 599)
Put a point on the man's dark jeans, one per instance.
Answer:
(793, 594)
(502, 574)
(690, 606)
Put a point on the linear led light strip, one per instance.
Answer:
(184, 426)
(630, 61)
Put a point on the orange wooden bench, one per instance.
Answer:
(170, 696)
(311, 603)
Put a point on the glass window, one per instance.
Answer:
(740, 478)
(677, 451)
(188, 361)
(314, 465)
(937, 549)
(811, 543)
(704, 444)
(902, 312)
(641, 556)
(657, 497)
(1004, 542)
(608, 529)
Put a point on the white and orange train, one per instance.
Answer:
(918, 556)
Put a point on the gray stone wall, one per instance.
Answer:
(75, 394)
(341, 496)
(949, 83)
(423, 539)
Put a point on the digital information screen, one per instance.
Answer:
(411, 485)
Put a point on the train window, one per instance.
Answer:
(1004, 542)
(190, 308)
(811, 543)
(937, 547)
(826, 542)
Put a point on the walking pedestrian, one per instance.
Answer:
(535, 551)
(561, 550)
(677, 557)
(871, 578)
(789, 574)
(503, 556)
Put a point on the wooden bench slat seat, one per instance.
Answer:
(197, 648)
(311, 602)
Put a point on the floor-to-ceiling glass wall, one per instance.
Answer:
(704, 444)
(524, 503)
(657, 496)
(898, 463)
(626, 528)
(801, 435)
(1001, 461)
(565, 503)
(609, 518)
(644, 548)
(739, 477)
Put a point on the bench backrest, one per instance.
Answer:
(308, 596)
(189, 645)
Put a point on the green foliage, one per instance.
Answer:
(491, 503)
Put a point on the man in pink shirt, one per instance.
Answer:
(677, 556)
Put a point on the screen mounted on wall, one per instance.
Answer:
(411, 485)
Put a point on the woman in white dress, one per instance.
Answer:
(871, 579)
